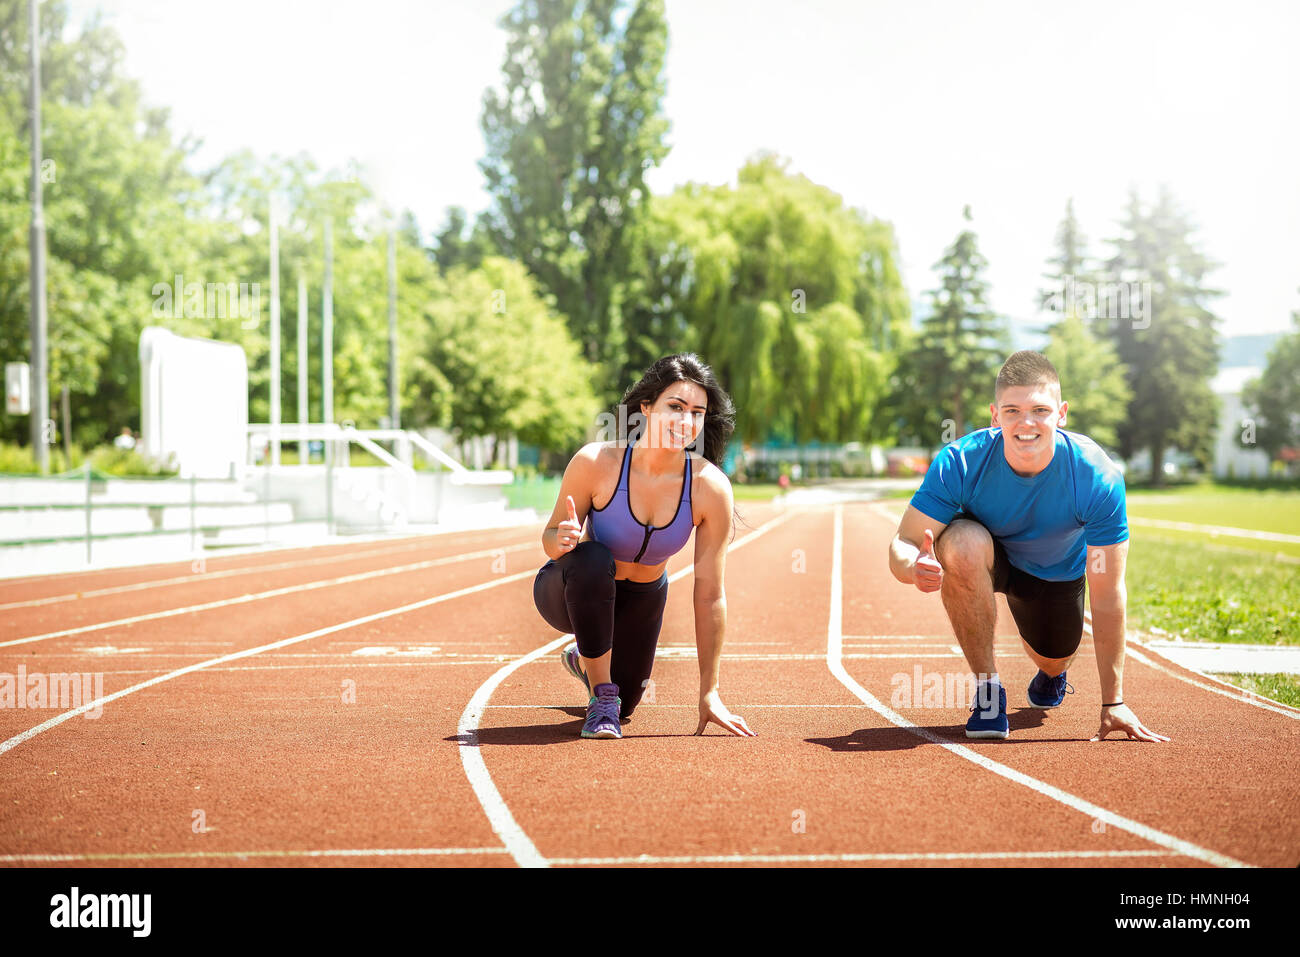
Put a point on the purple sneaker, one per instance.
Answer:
(602, 713)
(569, 658)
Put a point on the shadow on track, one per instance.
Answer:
(539, 734)
(902, 739)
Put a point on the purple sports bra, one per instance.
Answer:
(629, 540)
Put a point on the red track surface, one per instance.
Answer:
(284, 770)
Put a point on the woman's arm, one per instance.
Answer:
(578, 482)
(711, 538)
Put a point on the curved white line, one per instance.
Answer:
(834, 641)
(503, 822)
(494, 806)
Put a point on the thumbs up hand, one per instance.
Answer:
(928, 573)
(569, 531)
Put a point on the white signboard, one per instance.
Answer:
(18, 388)
(193, 403)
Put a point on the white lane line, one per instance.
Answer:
(1214, 530)
(329, 630)
(273, 593)
(833, 643)
(239, 855)
(205, 576)
(494, 806)
(850, 858)
(503, 822)
(1236, 694)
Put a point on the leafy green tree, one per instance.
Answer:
(569, 140)
(116, 203)
(459, 244)
(495, 359)
(1156, 312)
(1092, 381)
(787, 293)
(947, 379)
(1273, 400)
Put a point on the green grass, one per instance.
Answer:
(1206, 593)
(756, 491)
(1271, 510)
(1281, 687)
(1261, 509)
(538, 492)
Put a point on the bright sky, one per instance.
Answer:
(908, 109)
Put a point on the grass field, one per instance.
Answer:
(1283, 688)
(1267, 510)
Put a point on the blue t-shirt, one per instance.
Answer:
(1045, 522)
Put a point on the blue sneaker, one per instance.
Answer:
(569, 658)
(602, 713)
(1045, 692)
(986, 721)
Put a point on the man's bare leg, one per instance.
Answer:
(1048, 666)
(965, 550)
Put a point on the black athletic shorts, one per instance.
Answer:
(1049, 614)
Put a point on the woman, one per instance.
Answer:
(608, 585)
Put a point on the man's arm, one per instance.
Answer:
(1108, 598)
(909, 546)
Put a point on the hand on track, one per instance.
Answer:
(712, 709)
(1122, 718)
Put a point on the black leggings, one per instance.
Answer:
(578, 593)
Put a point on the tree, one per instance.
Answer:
(1070, 264)
(1273, 400)
(457, 245)
(1154, 309)
(569, 141)
(947, 379)
(117, 206)
(783, 290)
(1092, 377)
(495, 359)
(1092, 381)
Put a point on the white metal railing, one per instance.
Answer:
(290, 433)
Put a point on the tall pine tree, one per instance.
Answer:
(1155, 309)
(947, 379)
(1092, 377)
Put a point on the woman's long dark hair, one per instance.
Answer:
(719, 417)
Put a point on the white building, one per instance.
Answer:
(1230, 459)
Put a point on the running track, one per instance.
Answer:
(227, 736)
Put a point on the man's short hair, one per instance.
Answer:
(1030, 368)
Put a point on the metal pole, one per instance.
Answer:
(329, 493)
(86, 466)
(67, 426)
(304, 448)
(393, 413)
(275, 331)
(327, 339)
(39, 319)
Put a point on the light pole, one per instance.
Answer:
(40, 331)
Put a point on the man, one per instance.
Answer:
(1028, 509)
